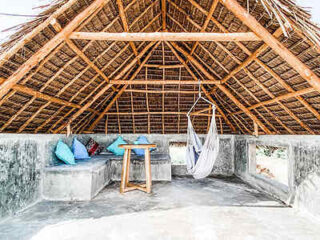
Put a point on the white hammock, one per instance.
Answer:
(201, 158)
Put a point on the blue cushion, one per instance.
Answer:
(79, 150)
(141, 140)
(64, 153)
(114, 147)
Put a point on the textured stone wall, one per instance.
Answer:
(304, 169)
(20, 168)
(23, 157)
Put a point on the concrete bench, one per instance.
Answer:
(87, 178)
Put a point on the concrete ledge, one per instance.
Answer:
(76, 183)
(87, 178)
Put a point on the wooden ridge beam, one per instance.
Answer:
(274, 43)
(222, 88)
(165, 36)
(121, 91)
(47, 48)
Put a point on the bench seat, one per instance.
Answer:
(87, 178)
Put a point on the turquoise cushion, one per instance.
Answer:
(64, 153)
(79, 150)
(141, 140)
(114, 147)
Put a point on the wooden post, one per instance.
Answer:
(256, 129)
(68, 130)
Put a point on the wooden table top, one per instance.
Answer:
(131, 146)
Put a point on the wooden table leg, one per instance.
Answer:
(148, 170)
(124, 171)
(128, 167)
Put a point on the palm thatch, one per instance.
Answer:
(69, 84)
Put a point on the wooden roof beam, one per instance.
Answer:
(165, 36)
(32, 92)
(163, 14)
(274, 43)
(280, 98)
(125, 25)
(206, 22)
(223, 89)
(47, 48)
(163, 82)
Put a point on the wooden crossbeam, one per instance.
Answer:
(165, 36)
(158, 113)
(47, 48)
(162, 82)
(222, 88)
(160, 91)
(121, 91)
(274, 43)
(164, 66)
(203, 89)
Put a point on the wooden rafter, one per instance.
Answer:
(105, 67)
(102, 91)
(47, 48)
(251, 58)
(274, 43)
(206, 22)
(222, 88)
(125, 25)
(165, 36)
(163, 14)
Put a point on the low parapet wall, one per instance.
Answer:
(24, 156)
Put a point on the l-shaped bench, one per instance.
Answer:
(87, 178)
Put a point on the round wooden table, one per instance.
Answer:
(125, 185)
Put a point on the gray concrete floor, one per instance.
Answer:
(183, 209)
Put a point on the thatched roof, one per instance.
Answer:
(45, 89)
